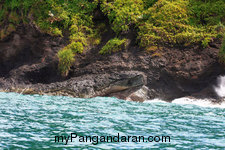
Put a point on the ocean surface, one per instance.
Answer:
(33, 122)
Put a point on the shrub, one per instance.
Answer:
(168, 23)
(56, 32)
(222, 51)
(123, 13)
(113, 45)
(149, 3)
(76, 47)
(79, 37)
(66, 59)
(207, 12)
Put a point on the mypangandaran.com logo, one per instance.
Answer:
(74, 137)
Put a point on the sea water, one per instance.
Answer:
(33, 122)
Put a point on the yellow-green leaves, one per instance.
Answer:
(113, 45)
(76, 47)
(66, 59)
(56, 32)
(168, 22)
(123, 13)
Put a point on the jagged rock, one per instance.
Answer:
(140, 95)
(28, 60)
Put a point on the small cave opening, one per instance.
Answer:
(45, 75)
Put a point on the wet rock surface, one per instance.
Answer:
(28, 64)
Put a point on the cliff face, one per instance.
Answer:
(28, 64)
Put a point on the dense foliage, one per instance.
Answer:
(222, 51)
(157, 22)
(123, 13)
(113, 45)
(181, 22)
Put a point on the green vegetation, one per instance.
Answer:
(123, 13)
(172, 23)
(207, 12)
(157, 22)
(167, 22)
(113, 45)
(222, 51)
(54, 17)
(66, 59)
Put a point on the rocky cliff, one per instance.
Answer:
(28, 64)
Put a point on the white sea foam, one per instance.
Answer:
(156, 100)
(220, 88)
(199, 102)
(190, 101)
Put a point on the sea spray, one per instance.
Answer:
(220, 88)
(190, 101)
(198, 102)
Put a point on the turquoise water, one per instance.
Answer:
(32, 122)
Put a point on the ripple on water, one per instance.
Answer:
(31, 122)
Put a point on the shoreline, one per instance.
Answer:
(204, 102)
(188, 99)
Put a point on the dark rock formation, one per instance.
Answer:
(28, 64)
